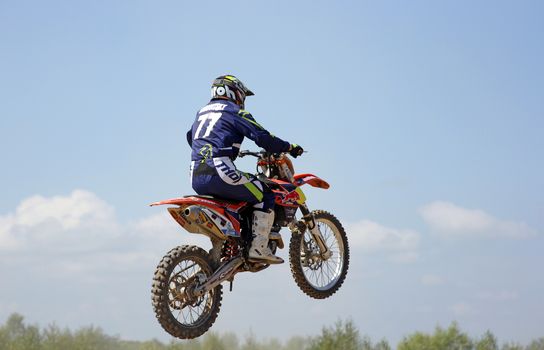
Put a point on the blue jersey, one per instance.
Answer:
(220, 128)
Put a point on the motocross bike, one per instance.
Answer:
(187, 285)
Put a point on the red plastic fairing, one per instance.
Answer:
(214, 204)
(310, 179)
(210, 203)
(280, 182)
(234, 221)
(286, 199)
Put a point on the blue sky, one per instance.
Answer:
(425, 117)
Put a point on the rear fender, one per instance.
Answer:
(215, 204)
(310, 179)
(203, 216)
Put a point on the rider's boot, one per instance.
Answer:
(259, 251)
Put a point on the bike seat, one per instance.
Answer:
(217, 199)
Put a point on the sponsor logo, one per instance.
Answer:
(223, 91)
(228, 171)
(180, 220)
(291, 197)
(213, 107)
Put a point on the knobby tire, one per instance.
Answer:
(161, 289)
(297, 271)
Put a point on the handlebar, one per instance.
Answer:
(261, 153)
(282, 163)
(250, 153)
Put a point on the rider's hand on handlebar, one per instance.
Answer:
(295, 150)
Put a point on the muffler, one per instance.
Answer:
(192, 213)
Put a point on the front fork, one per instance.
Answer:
(309, 220)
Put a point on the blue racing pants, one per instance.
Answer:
(219, 177)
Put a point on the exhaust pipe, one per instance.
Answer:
(208, 222)
(192, 213)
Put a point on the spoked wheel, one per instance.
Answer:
(316, 276)
(180, 310)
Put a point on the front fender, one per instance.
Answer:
(310, 179)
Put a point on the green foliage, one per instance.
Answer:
(91, 338)
(297, 343)
(54, 338)
(442, 339)
(16, 335)
(213, 341)
(537, 344)
(382, 345)
(512, 346)
(487, 342)
(344, 335)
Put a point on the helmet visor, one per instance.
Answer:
(246, 91)
(237, 83)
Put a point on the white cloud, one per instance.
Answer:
(7, 240)
(80, 233)
(79, 220)
(162, 230)
(401, 245)
(448, 219)
(81, 223)
(77, 209)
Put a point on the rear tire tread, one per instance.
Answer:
(160, 289)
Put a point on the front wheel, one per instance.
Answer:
(317, 277)
(180, 310)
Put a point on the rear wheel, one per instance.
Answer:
(317, 277)
(178, 308)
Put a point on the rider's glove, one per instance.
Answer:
(295, 150)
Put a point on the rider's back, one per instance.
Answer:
(220, 127)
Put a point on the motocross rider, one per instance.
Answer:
(215, 138)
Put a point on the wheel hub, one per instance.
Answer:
(311, 257)
(185, 293)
